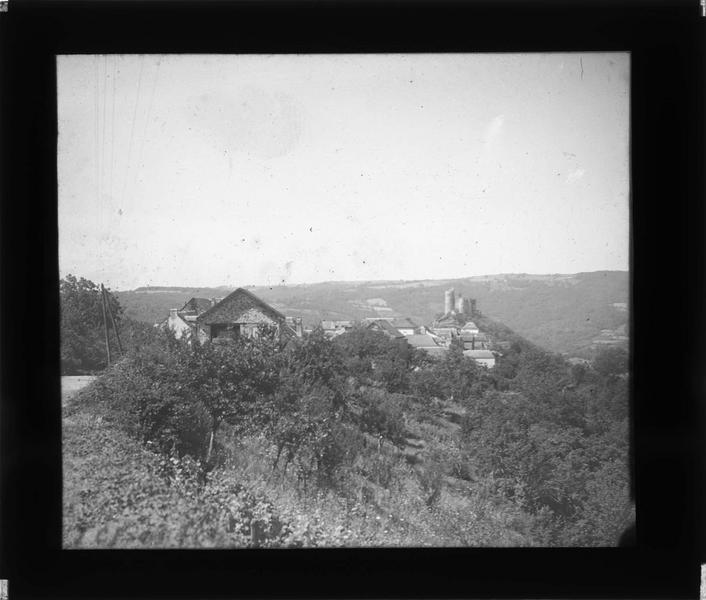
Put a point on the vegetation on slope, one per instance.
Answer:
(357, 441)
(83, 349)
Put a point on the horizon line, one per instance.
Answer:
(376, 281)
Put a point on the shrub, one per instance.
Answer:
(382, 416)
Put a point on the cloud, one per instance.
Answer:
(575, 175)
(494, 129)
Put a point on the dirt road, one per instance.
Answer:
(70, 384)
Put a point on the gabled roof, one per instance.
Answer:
(200, 305)
(404, 323)
(438, 351)
(447, 321)
(470, 325)
(165, 322)
(422, 341)
(478, 337)
(235, 304)
(385, 327)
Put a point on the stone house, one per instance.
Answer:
(384, 326)
(405, 326)
(177, 324)
(333, 329)
(241, 313)
(182, 321)
(426, 343)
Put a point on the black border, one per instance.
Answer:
(666, 44)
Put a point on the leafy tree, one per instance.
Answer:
(231, 380)
(458, 372)
(371, 355)
(382, 415)
(82, 337)
(611, 361)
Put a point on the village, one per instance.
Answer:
(242, 313)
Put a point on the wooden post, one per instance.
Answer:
(105, 326)
(112, 318)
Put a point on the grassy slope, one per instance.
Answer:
(115, 497)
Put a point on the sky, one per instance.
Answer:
(208, 170)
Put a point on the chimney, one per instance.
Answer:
(298, 328)
(473, 307)
(459, 304)
(449, 303)
(172, 314)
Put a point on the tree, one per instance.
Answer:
(458, 372)
(611, 361)
(82, 338)
(231, 380)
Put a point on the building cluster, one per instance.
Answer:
(454, 324)
(241, 313)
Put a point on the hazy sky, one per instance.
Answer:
(204, 170)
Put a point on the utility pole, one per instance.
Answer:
(112, 318)
(105, 325)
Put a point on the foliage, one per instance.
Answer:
(82, 337)
(382, 416)
(358, 440)
(372, 357)
(611, 361)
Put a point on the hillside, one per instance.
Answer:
(569, 314)
(356, 441)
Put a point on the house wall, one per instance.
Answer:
(254, 316)
(204, 333)
(485, 362)
(178, 326)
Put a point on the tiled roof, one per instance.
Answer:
(422, 341)
(385, 327)
(448, 320)
(478, 337)
(235, 304)
(404, 322)
(200, 305)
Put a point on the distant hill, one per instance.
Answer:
(570, 314)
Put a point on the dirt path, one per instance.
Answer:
(70, 384)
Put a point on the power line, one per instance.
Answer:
(112, 131)
(104, 111)
(132, 128)
(144, 132)
(95, 138)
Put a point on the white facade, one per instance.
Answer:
(177, 325)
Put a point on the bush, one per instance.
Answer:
(82, 337)
(382, 416)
